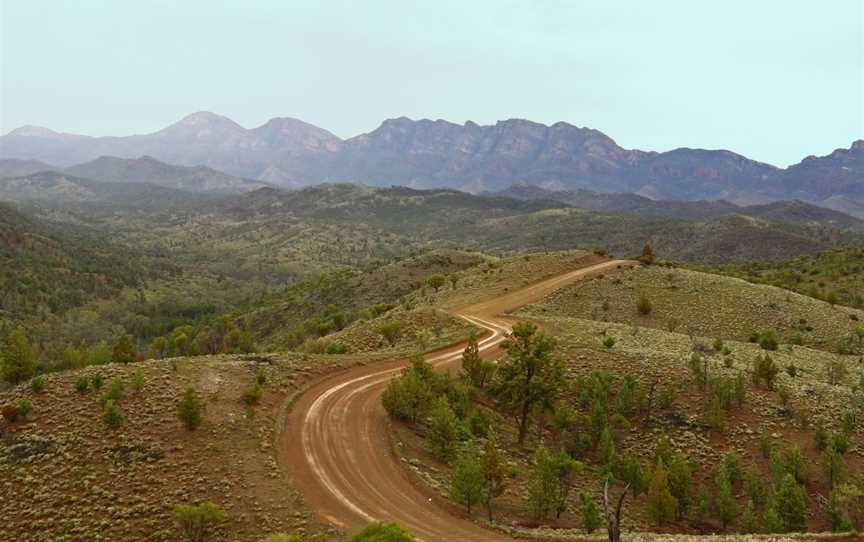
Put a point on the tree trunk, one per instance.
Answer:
(613, 518)
(523, 423)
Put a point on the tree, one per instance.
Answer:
(835, 467)
(528, 374)
(17, 361)
(410, 396)
(565, 468)
(442, 428)
(662, 505)
(835, 515)
(647, 257)
(390, 331)
(590, 512)
(196, 520)
(724, 500)
(680, 476)
(159, 347)
(382, 532)
(493, 473)
(436, 281)
(748, 518)
(454, 279)
(124, 350)
(190, 409)
(112, 415)
(542, 483)
(468, 480)
(790, 503)
(606, 450)
(474, 370)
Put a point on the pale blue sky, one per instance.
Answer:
(775, 80)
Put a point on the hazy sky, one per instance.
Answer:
(775, 80)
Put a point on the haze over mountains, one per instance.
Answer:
(425, 154)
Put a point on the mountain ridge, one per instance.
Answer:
(437, 153)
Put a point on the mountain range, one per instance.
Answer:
(425, 153)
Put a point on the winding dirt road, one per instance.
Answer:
(336, 446)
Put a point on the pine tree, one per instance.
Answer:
(442, 429)
(190, 409)
(17, 361)
(466, 485)
(748, 518)
(680, 477)
(835, 515)
(493, 473)
(724, 500)
(662, 505)
(606, 450)
(124, 350)
(791, 504)
(542, 483)
(835, 467)
(590, 512)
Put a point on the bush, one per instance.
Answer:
(282, 537)
(96, 381)
(112, 415)
(768, 340)
(765, 371)
(114, 393)
(24, 407)
(82, 384)
(442, 429)
(260, 376)
(190, 409)
(609, 341)
(643, 306)
(252, 394)
(382, 532)
(138, 381)
(196, 521)
(37, 384)
(336, 348)
(390, 331)
(480, 422)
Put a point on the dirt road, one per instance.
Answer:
(336, 446)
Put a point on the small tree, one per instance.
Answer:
(662, 505)
(475, 371)
(647, 257)
(408, 397)
(382, 532)
(724, 500)
(528, 374)
(37, 384)
(197, 520)
(790, 502)
(590, 512)
(493, 473)
(542, 483)
(468, 481)
(124, 350)
(112, 415)
(454, 279)
(390, 331)
(17, 360)
(190, 409)
(442, 429)
(436, 281)
(835, 467)
(835, 515)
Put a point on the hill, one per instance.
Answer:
(425, 154)
(151, 171)
(836, 275)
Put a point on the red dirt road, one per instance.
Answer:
(336, 446)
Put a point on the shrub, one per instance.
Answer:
(609, 341)
(662, 506)
(190, 409)
(252, 394)
(82, 384)
(591, 518)
(37, 384)
(96, 381)
(282, 537)
(768, 340)
(138, 381)
(112, 415)
(765, 371)
(260, 376)
(382, 532)
(336, 348)
(643, 305)
(24, 407)
(17, 360)
(114, 393)
(480, 422)
(718, 344)
(442, 429)
(408, 397)
(196, 521)
(390, 331)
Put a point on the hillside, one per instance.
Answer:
(836, 275)
(426, 154)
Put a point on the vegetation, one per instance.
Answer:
(196, 521)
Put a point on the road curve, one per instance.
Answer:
(335, 443)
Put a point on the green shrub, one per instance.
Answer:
(190, 409)
(643, 305)
(82, 384)
(260, 376)
(138, 380)
(282, 537)
(382, 532)
(768, 340)
(114, 392)
(37, 384)
(112, 415)
(336, 348)
(24, 407)
(96, 381)
(609, 341)
(480, 422)
(252, 394)
(196, 521)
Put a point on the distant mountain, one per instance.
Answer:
(782, 211)
(12, 167)
(425, 153)
(149, 170)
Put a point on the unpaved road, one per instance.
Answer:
(337, 450)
